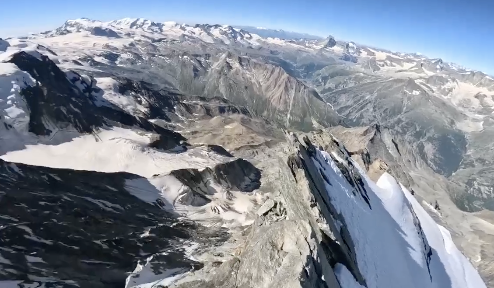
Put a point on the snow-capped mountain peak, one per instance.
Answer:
(137, 27)
(137, 23)
(329, 42)
(78, 25)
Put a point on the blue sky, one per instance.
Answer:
(458, 31)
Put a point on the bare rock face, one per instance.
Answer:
(65, 228)
(272, 93)
(376, 169)
(329, 42)
(283, 254)
(104, 32)
(239, 175)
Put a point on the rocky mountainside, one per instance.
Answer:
(267, 89)
(144, 154)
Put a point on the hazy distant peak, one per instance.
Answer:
(277, 33)
(329, 42)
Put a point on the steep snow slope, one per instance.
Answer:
(393, 235)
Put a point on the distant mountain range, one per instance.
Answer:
(278, 33)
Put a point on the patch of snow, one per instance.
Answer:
(414, 92)
(8, 218)
(33, 259)
(277, 41)
(381, 55)
(105, 205)
(109, 94)
(114, 150)
(10, 284)
(166, 188)
(189, 249)
(33, 237)
(465, 96)
(144, 276)
(234, 208)
(470, 125)
(345, 278)
(427, 72)
(96, 262)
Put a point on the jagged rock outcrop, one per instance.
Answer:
(56, 101)
(351, 48)
(351, 53)
(104, 32)
(283, 254)
(171, 105)
(239, 175)
(329, 42)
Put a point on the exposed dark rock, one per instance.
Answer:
(83, 227)
(343, 252)
(4, 45)
(164, 103)
(219, 150)
(55, 102)
(238, 175)
(54, 97)
(104, 32)
(329, 42)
